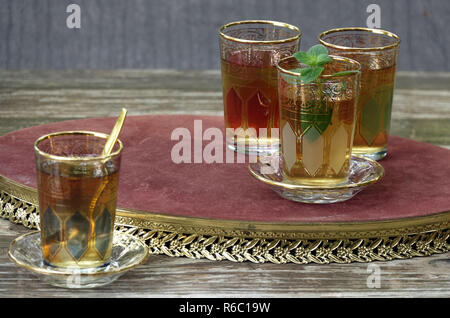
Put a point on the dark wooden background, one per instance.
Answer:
(182, 34)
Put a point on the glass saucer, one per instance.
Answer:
(127, 253)
(363, 172)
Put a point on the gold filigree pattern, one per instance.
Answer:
(18, 211)
(215, 243)
(280, 251)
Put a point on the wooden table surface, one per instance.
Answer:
(421, 111)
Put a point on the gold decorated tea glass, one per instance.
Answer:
(249, 52)
(77, 188)
(317, 121)
(376, 50)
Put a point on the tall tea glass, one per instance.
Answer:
(376, 50)
(317, 121)
(249, 52)
(77, 188)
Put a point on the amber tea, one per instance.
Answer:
(77, 226)
(77, 191)
(251, 96)
(321, 155)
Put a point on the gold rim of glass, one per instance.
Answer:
(347, 48)
(276, 23)
(88, 133)
(334, 57)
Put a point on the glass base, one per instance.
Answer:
(363, 172)
(127, 252)
(378, 155)
(71, 266)
(317, 182)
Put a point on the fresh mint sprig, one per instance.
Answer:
(315, 58)
(318, 110)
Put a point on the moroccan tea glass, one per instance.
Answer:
(376, 50)
(77, 188)
(317, 122)
(249, 52)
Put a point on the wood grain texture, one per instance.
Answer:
(182, 34)
(27, 98)
(164, 276)
(421, 108)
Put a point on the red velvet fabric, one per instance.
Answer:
(417, 180)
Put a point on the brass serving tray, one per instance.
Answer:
(260, 242)
(257, 241)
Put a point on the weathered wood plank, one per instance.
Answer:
(88, 102)
(421, 103)
(205, 80)
(164, 276)
(119, 79)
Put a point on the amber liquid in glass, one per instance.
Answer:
(316, 142)
(251, 96)
(77, 212)
(374, 110)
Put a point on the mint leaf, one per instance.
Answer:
(309, 74)
(317, 50)
(316, 57)
(297, 70)
(344, 73)
(323, 59)
(303, 57)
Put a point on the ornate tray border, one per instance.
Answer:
(259, 242)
